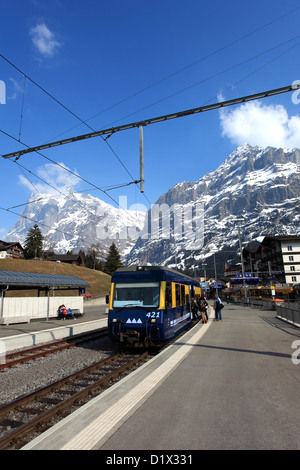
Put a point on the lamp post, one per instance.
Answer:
(216, 279)
(242, 259)
(57, 261)
(204, 269)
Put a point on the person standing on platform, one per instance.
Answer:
(203, 309)
(194, 309)
(217, 307)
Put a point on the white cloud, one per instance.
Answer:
(44, 40)
(52, 174)
(262, 125)
(16, 89)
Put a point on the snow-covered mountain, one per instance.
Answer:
(189, 223)
(77, 221)
(259, 185)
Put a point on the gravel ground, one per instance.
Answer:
(25, 378)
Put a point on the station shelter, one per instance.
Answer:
(45, 300)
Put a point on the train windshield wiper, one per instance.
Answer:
(129, 305)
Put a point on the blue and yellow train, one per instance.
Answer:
(150, 305)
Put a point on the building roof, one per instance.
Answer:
(35, 280)
(64, 257)
(6, 245)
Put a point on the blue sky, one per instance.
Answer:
(123, 61)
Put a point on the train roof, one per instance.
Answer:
(147, 272)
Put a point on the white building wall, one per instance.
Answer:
(37, 307)
(291, 260)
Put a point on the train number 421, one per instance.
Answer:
(152, 315)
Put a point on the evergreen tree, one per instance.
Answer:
(33, 243)
(113, 260)
(94, 257)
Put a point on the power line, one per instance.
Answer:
(82, 204)
(197, 61)
(69, 111)
(155, 120)
(69, 171)
(216, 75)
(256, 70)
(145, 88)
(71, 235)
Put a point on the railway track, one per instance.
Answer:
(30, 415)
(36, 352)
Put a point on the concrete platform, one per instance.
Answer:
(95, 422)
(18, 336)
(14, 320)
(224, 385)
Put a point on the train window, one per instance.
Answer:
(168, 295)
(177, 294)
(142, 294)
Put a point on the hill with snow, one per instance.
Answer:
(77, 222)
(189, 223)
(259, 185)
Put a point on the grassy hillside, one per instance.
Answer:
(98, 281)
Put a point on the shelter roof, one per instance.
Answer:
(17, 279)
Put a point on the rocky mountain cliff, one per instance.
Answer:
(261, 186)
(189, 223)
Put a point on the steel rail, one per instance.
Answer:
(36, 352)
(22, 431)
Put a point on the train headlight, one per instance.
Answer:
(153, 320)
(114, 320)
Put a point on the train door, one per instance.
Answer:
(188, 304)
(168, 298)
(183, 304)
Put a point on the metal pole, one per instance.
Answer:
(2, 300)
(167, 117)
(242, 261)
(141, 159)
(216, 280)
(48, 303)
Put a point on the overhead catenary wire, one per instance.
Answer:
(155, 120)
(118, 186)
(62, 194)
(186, 67)
(193, 85)
(71, 235)
(84, 122)
(255, 71)
(67, 109)
(165, 78)
(72, 173)
(155, 83)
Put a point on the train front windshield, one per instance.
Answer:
(140, 294)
